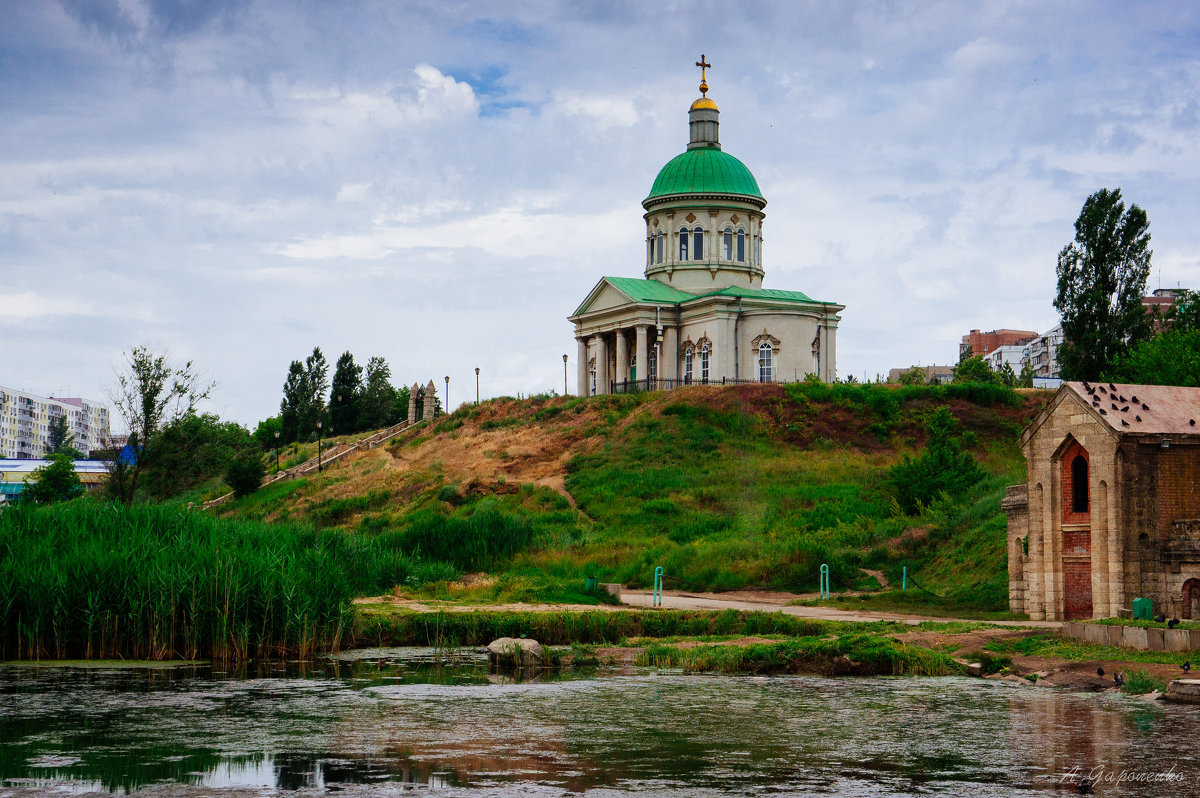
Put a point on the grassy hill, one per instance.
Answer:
(739, 486)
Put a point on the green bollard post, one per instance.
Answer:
(658, 580)
(824, 581)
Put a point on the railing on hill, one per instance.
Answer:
(326, 458)
(637, 386)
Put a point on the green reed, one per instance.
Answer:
(95, 580)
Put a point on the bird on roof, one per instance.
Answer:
(1137, 418)
(1101, 409)
(1145, 406)
(1134, 398)
(1124, 423)
(1100, 671)
(1121, 398)
(1191, 422)
(1114, 406)
(1112, 387)
(1171, 624)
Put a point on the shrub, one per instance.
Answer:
(245, 473)
(54, 482)
(942, 468)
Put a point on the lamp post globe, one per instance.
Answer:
(477, 385)
(565, 376)
(447, 408)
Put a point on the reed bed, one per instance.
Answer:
(95, 581)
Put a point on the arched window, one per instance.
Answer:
(659, 247)
(1079, 484)
(698, 243)
(704, 364)
(593, 372)
(765, 370)
(728, 240)
(684, 234)
(687, 365)
(650, 250)
(652, 365)
(741, 247)
(758, 250)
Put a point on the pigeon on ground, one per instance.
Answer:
(1159, 618)
(1171, 624)
(1100, 671)
(1187, 666)
(1118, 679)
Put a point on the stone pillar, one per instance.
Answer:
(724, 345)
(622, 358)
(643, 354)
(412, 403)
(1016, 509)
(583, 367)
(669, 368)
(829, 352)
(430, 393)
(601, 364)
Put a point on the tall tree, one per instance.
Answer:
(379, 395)
(295, 395)
(1184, 315)
(316, 384)
(150, 393)
(1101, 279)
(56, 481)
(345, 395)
(61, 439)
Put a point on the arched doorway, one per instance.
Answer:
(1191, 599)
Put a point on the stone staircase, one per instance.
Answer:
(327, 458)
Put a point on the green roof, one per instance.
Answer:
(706, 170)
(640, 290)
(764, 293)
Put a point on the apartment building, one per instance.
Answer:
(25, 423)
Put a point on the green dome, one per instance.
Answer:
(705, 170)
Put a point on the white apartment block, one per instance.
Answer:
(25, 423)
(1013, 355)
(1042, 353)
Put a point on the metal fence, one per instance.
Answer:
(637, 386)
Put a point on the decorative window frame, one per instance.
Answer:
(766, 336)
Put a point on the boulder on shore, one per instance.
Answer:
(515, 652)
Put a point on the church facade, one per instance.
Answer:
(700, 314)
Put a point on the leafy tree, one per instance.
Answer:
(1006, 376)
(62, 440)
(1101, 279)
(245, 472)
(914, 376)
(942, 468)
(264, 433)
(150, 393)
(345, 396)
(379, 396)
(316, 386)
(974, 369)
(1025, 380)
(54, 482)
(1172, 358)
(292, 406)
(192, 450)
(1184, 315)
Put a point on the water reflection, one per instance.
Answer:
(398, 717)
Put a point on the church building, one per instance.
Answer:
(700, 315)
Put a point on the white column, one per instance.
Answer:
(669, 368)
(622, 357)
(582, 382)
(643, 355)
(601, 364)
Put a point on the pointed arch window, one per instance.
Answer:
(728, 242)
(1079, 484)
(704, 364)
(741, 245)
(698, 243)
(766, 370)
(687, 365)
(684, 235)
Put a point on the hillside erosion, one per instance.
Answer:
(723, 486)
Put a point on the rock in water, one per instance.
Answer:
(515, 652)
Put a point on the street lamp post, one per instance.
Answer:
(565, 375)
(318, 445)
(477, 385)
(447, 393)
(276, 451)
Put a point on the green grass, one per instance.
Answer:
(1140, 682)
(856, 653)
(724, 488)
(94, 580)
(1055, 645)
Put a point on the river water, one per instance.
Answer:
(392, 721)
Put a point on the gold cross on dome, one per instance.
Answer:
(704, 65)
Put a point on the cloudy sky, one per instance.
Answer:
(441, 183)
